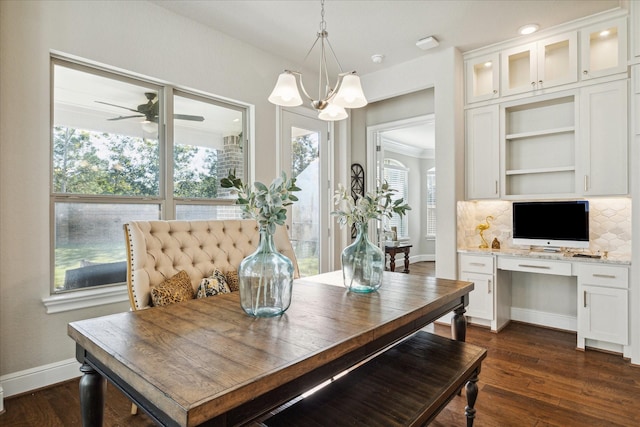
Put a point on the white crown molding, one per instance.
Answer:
(407, 150)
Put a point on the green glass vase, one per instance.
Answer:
(362, 263)
(265, 279)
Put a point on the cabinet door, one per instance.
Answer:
(604, 49)
(518, 71)
(557, 60)
(603, 314)
(481, 298)
(482, 154)
(603, 139)
(482, 78)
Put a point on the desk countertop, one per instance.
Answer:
(562, 256)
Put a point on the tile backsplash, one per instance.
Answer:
(609, 225)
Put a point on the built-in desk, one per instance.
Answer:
(586, 295)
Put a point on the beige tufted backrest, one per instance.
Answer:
(157, 250)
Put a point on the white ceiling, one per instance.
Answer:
(359, 29)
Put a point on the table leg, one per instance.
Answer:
(92, 391)
(392, 261)
(459, 325)
(472, 395)
(406, 261)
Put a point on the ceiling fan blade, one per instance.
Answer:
(119, 106)
(124, 117)
(188, 117)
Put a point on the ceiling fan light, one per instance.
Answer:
(350, 94)
(332, 113)
(149, 127)
(286, 93)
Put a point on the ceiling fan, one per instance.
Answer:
(150, 111)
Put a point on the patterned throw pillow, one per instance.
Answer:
(174, 289)
(232, 280)
(213, 285)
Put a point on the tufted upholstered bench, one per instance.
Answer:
(157, 250)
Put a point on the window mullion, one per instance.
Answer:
(166, 142)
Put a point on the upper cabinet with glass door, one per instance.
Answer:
(604, 49)
(540, 65)
(483, 78)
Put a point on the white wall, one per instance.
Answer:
(442, 71)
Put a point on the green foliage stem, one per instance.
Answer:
(267, 205)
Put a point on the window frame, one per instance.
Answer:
(69, 299)
(396, 165)
(430, 204)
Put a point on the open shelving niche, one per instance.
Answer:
(539, 148)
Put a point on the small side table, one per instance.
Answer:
(393, 250)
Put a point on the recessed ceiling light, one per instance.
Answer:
(528, 29)
(605, 33)
(488, 64)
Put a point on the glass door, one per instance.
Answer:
(304, 155)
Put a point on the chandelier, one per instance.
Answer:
(332, 100)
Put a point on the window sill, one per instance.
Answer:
(87, 298)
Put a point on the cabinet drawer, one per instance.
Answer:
(476, 264)
(603, 275)
(529, 265)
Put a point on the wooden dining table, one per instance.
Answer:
(206, 362)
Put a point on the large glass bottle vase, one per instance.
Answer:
(265, 279)
(362, 263)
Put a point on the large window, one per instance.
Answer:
(397, 176)
(128, 149)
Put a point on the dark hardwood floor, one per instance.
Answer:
(531, 377)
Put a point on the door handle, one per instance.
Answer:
(605, 276)
(544, 267)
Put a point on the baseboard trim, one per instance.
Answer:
(38, 377)
(542, 318)
(420, 258)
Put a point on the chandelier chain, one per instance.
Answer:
(323, 24)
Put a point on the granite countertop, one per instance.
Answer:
(559, 256)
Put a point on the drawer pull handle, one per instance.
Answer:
(479, 264)
(605, 276)
(545, 267)
(584, 299)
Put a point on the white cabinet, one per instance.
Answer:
(604, 139)
(538, 147)
(603, 49)
(543, 64)
(479, 270)
(603, 306)
(482, 153)
(482, 78)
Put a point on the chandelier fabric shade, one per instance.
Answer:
(345, 93)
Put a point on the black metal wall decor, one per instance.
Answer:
(357, 188)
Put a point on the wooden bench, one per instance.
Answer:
(407, 385)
